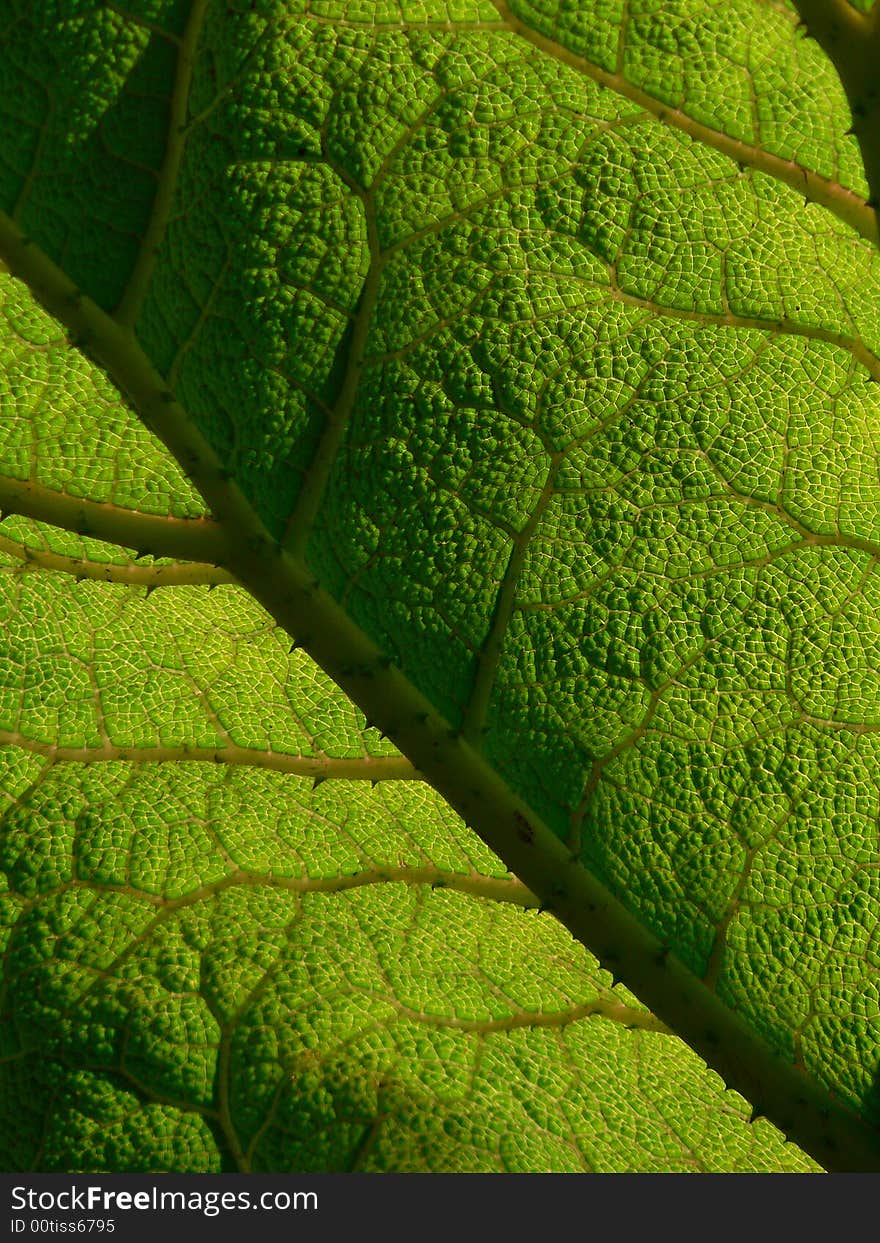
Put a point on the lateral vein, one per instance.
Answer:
(840, 201)
(191, 539)
(129, 305)
(192, 573)
(319, 767)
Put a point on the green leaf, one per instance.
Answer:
(213, 963)
(499, 360)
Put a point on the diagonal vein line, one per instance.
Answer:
(132, 300)
(180, 573)
(489, 656)
(840, 201)
(606, 1006)
(301, 522)
(781, 325)
(319, 767)
(192, 539)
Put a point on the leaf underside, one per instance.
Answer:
(531, 353)
(213, 964)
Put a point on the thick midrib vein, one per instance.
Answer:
(840, 201)
(311, 495)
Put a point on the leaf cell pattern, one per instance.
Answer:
(542, 341)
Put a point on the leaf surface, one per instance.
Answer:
(212, 962)
(520, 384)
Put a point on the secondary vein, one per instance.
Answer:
(840, 201)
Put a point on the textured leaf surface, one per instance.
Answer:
(511, 328)
(216, 965)
(255, 1022)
